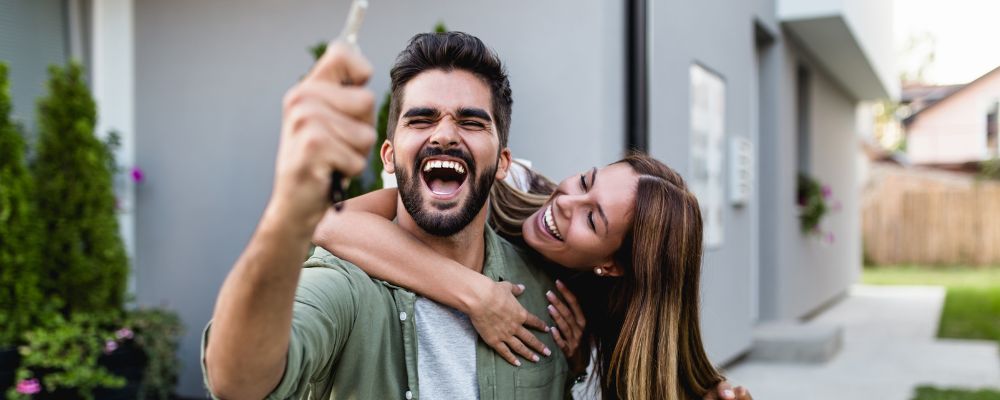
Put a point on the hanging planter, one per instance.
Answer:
(815, 201)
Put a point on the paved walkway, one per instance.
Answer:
(889, 349)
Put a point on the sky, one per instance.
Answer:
(966, 37)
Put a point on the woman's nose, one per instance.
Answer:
(566, 203)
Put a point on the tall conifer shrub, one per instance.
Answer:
(84, 262)
(19, 235)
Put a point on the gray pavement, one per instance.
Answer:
(889, 349)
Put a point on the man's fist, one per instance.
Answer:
(327, 125)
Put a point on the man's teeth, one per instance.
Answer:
(444, 164)
(550, 222)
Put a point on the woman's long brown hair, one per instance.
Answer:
(655, 301)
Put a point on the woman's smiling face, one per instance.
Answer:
(584, 222)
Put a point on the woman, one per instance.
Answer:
(634, 231)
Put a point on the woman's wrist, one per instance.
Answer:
(473, 293)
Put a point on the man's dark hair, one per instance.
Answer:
(448, 51)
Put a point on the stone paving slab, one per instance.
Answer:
(889, 349)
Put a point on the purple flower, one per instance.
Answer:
(29, 386)
(827, 191)
(123, 333)
(137, 174)
(110, 346)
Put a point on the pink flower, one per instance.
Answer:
(830, 238)
(827, 191)
(123, 333)
(29, 386)
(110, 346)
(137, 174)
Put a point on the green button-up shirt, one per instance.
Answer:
(353, 336)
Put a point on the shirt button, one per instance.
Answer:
(408, 394)
(402, 317)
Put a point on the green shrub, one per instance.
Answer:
(157, 333)
(990, 169)
(63, 354)
(19, 230)
(84, 264)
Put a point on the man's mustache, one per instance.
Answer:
(437, 151)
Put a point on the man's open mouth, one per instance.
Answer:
(444, 176)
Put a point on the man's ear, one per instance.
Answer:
(611, 268)
(503, 164)
(388, 157)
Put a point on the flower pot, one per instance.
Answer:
(127, 361)
(9, 360)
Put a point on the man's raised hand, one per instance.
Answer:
(327, 125)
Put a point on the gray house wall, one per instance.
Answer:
(801, 273)
(724, 43)
(209, 82)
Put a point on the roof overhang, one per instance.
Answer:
(830, 41)
(851, 40)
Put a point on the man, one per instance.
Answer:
(342, 333)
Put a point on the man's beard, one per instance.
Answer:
(448, 224)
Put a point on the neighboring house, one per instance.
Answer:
(738, 95)
(954, 126)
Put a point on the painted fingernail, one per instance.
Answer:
(534, 357)
(552, 309)
(547, 352)
(520, 286)
(559, 283)
(550, 295)
(728, 394)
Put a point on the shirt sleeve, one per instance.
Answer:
(323, 315)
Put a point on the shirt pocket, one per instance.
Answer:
(539, 381)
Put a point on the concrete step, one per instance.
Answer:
(795, 342)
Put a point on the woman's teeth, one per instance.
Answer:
(550, 223)
(444, 164)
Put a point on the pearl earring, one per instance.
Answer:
(599, 271)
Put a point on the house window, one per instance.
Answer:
(992, 146)
(803, 118)
(708, 122)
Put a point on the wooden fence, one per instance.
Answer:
(930, 218)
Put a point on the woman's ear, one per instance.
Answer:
(609, 268)
(388, 157)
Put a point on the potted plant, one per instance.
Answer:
(19, 240)
(60, 359)
(814, 201)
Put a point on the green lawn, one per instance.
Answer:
(971, 310)
(971, 306)
(930, 393)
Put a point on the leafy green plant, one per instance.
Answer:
(157, 332)
(64, 354)
(85, 263)
(19, 230)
